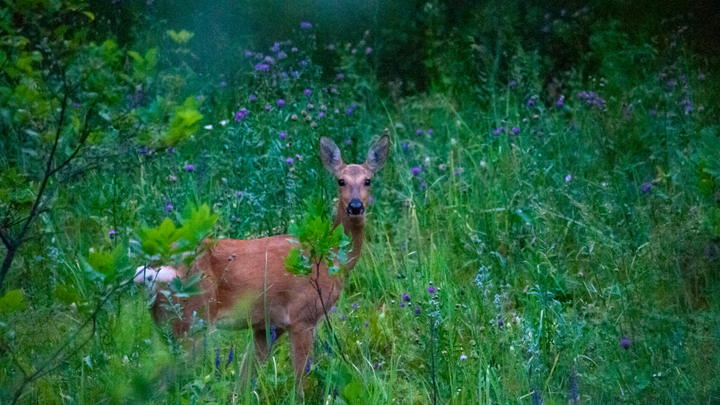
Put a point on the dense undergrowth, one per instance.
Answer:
(529, 241)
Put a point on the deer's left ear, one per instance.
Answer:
(378, 153)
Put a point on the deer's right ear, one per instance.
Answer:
(330, 154)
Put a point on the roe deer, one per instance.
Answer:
(252, 272)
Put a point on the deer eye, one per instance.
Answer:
(367, 182)
(341, 182)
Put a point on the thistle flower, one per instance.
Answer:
(431, 290)
(189, 167)
(280, 103)
(308, 92)
(415, 171)
(112, 234)
(282, 135)
(625, 342)
(289, 161)
(240, 115)
(515, 131)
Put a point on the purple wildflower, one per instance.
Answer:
(273, 335)
(170, 150)
(418, 131)
(112, 234)
(189, 167)
(217, 358)
(515, 131)
(169, 207)
(280, 102)
(431, 290)
(289, 161)
(463, 357)
(646, 188)
(406, 297)
(349, 111)
(368, 50)
(321, 115)
(303, 63)
(231, 356)
(307, 365)
(240, 115)
(248, 54)
(512, 84)
(308, 92)
(371, 200)
(568, 178)
(415, 171)
(355, 305)
(282, 135)
(253, 97)
(625, 342)
(340, 76)
(560, 102)
(223, 84)
(430, 131)
(367, 324)
(305, 25)
(334, 308)
(417, 311)
(530, 102)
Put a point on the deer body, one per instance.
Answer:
(246, 284)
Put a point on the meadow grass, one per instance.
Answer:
(518, 250)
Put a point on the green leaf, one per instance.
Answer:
(12, 301)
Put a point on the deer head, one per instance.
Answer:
(354, 180)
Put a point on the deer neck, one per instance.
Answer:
(353, 228)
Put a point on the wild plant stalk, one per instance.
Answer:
(315, 283)
(14, 242)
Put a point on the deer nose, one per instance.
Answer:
(355, 207)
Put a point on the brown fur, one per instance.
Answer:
(246, 284)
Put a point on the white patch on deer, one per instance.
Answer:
(152, 276)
